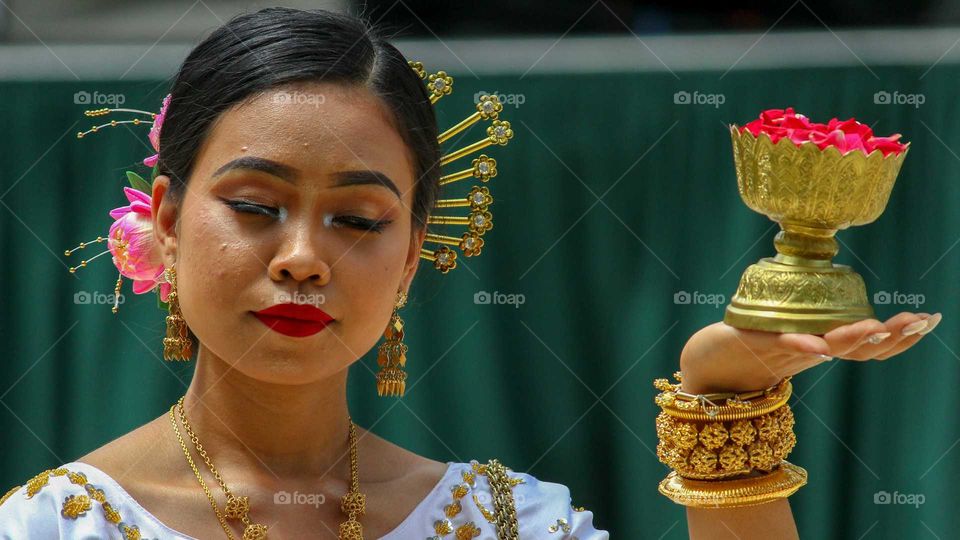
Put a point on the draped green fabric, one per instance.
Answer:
(611, 199)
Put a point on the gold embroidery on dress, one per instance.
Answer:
(503, 516)
(77, 478)
(75, 506)
(109, 513)
(487, 514)
(9, 493)
(130, 532)
(467, 531)
(37, 482)
(560, 525)
(442, 527)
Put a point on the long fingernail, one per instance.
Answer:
(914, 327)
(875, 339)
(932, 323)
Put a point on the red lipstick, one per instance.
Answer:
(295, 320)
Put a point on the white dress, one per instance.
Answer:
(80, 502)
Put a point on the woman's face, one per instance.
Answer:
(316, 212)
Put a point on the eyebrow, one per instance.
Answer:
(288, 174)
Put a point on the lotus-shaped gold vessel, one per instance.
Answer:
(812, 194)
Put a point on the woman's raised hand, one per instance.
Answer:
(721, 358)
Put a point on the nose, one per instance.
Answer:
(300, 259)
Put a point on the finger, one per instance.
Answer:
(802, 344)
(881, 343)
(905, 342)
(845, 340)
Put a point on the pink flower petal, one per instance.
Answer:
(118, 213)
(846, 135)
(136, 195)
(165, 289)
(141, 286)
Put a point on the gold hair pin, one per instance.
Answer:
(483, 168)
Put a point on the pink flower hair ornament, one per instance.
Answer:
(130, 238)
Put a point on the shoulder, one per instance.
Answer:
(74, 500)
(493, 500)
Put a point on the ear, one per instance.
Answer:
(165, 218)
(413, 257)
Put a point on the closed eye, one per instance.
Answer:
(253, 208)
(354, 222)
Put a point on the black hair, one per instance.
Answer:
(254, 52)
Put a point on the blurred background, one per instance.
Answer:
(619, 233)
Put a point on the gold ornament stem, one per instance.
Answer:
(462, 125)
(448, 220)
(452, 203)
(112, 123)
(453, 177)
(116, 294)
(443, 239)
(466, 150)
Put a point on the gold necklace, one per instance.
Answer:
(353, 503)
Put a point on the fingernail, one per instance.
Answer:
(875, 339)
(824, 357)
(914, 327)
(932, 323)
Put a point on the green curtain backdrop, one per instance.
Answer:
(611, 200)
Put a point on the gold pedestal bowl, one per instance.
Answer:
(812, 194)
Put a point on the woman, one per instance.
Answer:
(259, 200)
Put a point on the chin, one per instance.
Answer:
(284, 370)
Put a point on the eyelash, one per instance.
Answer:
(355, 222)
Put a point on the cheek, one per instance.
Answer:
(214, 264)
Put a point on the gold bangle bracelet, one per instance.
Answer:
(711, 446)
(704, 407)
(720, 450)
(780, 483)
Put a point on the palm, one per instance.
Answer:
(723, 358)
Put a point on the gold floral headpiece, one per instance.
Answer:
(129, 239)
(483, 168)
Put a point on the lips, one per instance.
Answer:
(296, 320)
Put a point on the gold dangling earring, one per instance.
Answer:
(177, 345)
(392, 354)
